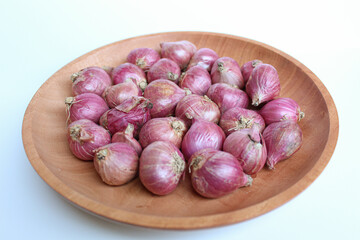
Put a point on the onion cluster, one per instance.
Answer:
(181, 109)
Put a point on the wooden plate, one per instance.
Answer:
(47, 149)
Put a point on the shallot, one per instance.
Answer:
(118, 93)
(204, 57)
(202, 134)
(263, 84)
(144, 58)
(215, 173)
(237, 118)
(129, 72)
(180, 52)
(164, 69)
(196, 79)
(227, 70)
(248, 67)
(282, 140)
(84, 136)
(168, 129)
(85, 106)
(116, 163)
(249, 148)
(161, 167)
(127, 137)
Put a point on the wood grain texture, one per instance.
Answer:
(44, 139)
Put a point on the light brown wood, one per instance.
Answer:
(47, 149)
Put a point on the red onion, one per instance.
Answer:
(237, 118)
(195, 106)
(180, 52)
(204, 57)
(161, 166)
(196, 79)
(263, 84)
(85, 106)
(90, 80)
(248, 67)
(135, 110)
(127, 137)
(202, 134)
(169, 129)
(144, 58)
(164, 69)
(118, 93)
(282, 140)
(116, 163)
(227, 96)
(129, 71)
(164, 95)
(249, 148)
(84, 136)
(281, 109)
(227, 70)
(215, 173)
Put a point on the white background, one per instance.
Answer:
(39, 37)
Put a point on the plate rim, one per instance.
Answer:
(198, 222)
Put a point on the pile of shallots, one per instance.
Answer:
(183, 110)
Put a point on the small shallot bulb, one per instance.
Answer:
(135, 110)
(84, 136)
(263, 84)
(118, 93)
(144, 58)
(116, 163)
(248, 67)
(281, 109)
(227, 70)
(249, 148)
(129, 72)
(196, 79)
(204, 57)
(85, 106)
(282, 140)
(164, 69)
(161, 167)
(168, 129)
(202, 134)
(215, 173)
(164, 95)
(227, 96)
(237, 118)
(127, 137)
(180, 52)
(90, 80)
(200, 107)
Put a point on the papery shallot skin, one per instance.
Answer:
(180, 52)
(237, 118)
(161, 167)
(202, 134)
(127, 137)
(248, 67)
(282, 140)
(215, 173)
(90, 80)
(84, 136)
(263, 84)
(227, 70)
(281, 109)
(118, 93)
(227, 96)
(135, 110)
(204, 57)
(164, 69)
(85, 106)
(144, 58)
(164, 95)
(249, 148)
(116, 163)
(196, 79)
(168, 129)
(195, 106)
(129, 72)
